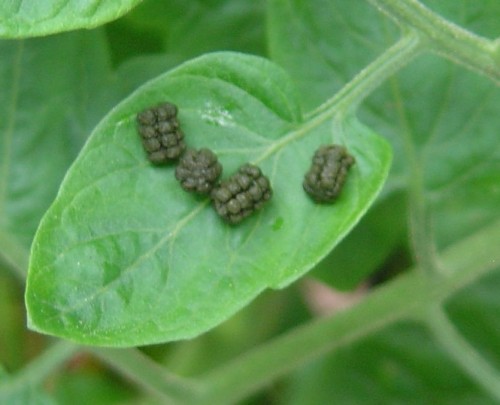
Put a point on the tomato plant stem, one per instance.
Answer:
(368, 79)
(147, 374)
(402, 298)
(462, 352)
(445, 38)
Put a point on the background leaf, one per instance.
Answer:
(54, 110)
(475, 312)
(377, 242)
(453, 136)
(186, 29)
(125, 257)
(324, 43)
(28, 18)
(56, 101)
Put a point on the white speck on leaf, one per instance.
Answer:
(216, 115)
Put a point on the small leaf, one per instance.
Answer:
(125, 257)
(28, 18)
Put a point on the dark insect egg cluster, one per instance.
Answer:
(327, 175)
(161, 136)
(198, 170)
(241, 194)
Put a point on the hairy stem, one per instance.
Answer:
(354, 92)
(403, 298)
(444, 37)
(464, 354)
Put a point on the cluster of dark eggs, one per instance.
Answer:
(161, 136)
(328, 172)
(198, 171)
(243, 193)
(246, 191)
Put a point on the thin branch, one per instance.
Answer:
(403, 298)
(353, 92)
(464, 354)
(372, 76)
(149, 375)
(444, 37)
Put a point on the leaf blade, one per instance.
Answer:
(125, 257)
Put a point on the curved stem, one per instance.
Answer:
(403, 298)
(148, 374)
(354, 92)
(464, 354)
(444, 37)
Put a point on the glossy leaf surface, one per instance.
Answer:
(125, 257)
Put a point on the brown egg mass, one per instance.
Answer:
(241, 194)
(198, 170)
(161, 136)
(327, 175)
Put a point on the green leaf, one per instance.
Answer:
(475, 311)
(325, 43)
(447, 134)
(187, 29)
(28, 18)
(125, 257)
(44, 120)
(192, 28)
(377, 236)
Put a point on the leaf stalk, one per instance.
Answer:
(444, 37)
(401, 299)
